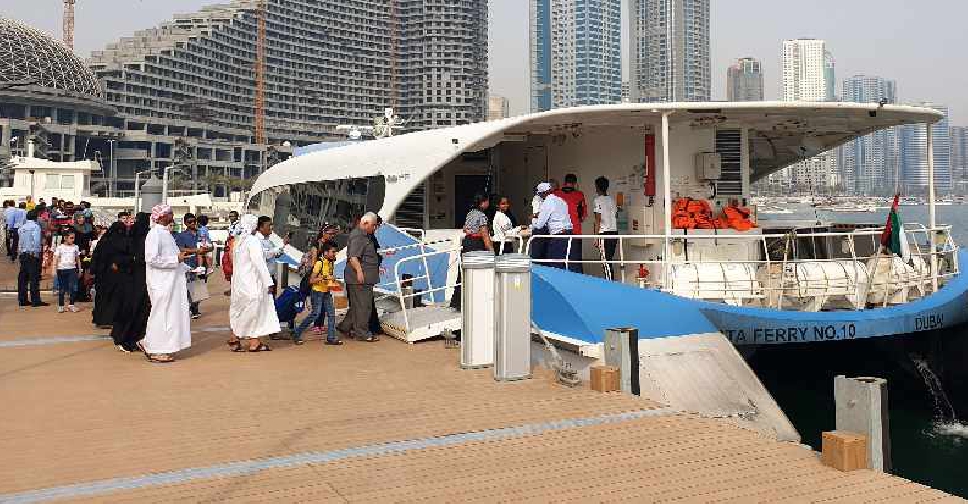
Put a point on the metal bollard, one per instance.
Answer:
(512, 279)
(622, 352)
(477, 310)
(862, 409)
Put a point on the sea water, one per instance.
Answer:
(928, 408)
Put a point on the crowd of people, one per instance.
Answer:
(556, 211)
(148, 282)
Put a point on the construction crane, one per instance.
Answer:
(69, 24)
(260, 74)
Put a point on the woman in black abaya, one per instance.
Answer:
(107, 274)
(131, 317)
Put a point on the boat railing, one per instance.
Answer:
(453, 254)
(879, 273)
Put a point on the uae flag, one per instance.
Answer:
(893, 237)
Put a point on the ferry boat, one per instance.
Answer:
(778, 282)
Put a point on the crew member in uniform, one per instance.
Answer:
(554, 215)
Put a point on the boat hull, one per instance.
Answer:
(582, 308)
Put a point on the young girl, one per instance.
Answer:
(67, 256)
(504, 229)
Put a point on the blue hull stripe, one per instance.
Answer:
(583, 307)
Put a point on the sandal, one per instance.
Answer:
(239, 348)
(160, 358)
(261, 348)
(233, 344)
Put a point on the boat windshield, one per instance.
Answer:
(301, 209)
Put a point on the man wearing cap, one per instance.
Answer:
(554, 215)
(169, 327)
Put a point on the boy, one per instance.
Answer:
(320, 280)
(606, 221)
(67, 256)
(204, 240)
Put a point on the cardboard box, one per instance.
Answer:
(605, 379)
(844, 451)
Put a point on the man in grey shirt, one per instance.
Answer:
(361, 274)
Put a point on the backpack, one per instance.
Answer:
(289, 304)
(304, 286)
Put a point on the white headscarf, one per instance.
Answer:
(248, 223)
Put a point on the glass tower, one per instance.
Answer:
(914, 161)
(576, 53)
(869, 164)
(669, 50)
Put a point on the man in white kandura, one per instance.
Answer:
(169, 326)
(252, 312)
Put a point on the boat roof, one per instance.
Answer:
(781, 133)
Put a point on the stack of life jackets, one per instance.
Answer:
(696, 214)
(692, 214)
(737, 218)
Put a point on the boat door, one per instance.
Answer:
(518, 183)
(465, 188)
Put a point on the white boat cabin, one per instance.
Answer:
(652, 154)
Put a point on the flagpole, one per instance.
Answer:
(932, 215)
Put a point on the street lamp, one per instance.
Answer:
(164, 182)
(137, 189)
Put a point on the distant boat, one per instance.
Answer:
(771, 210)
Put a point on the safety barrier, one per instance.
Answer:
(784, 277)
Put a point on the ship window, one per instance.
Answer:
(301, 209)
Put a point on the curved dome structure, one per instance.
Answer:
(27, 54)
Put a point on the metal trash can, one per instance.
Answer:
(477, 310)
(512, 279)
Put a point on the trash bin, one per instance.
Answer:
(477, 310)
(512, 279)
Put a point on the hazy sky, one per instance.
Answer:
(920, 43)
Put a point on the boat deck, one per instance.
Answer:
(379, 422)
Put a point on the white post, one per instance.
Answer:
(164, 184)
(932, 215)
(666, 197)
(113, 180)
(137, 192)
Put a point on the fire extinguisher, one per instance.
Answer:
(643, 272)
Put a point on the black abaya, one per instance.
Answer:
(131, 316)
(107, 277)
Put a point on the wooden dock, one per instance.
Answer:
(366, 422)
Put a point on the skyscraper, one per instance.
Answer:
(808, 75)
(498, 107)
(744, 80)
(190, 81)
(669, 50)
(959, 158)
(576, 53)
(869, 164)
(914, 161)
(807, 71)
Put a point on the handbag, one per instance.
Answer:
(198, 290)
